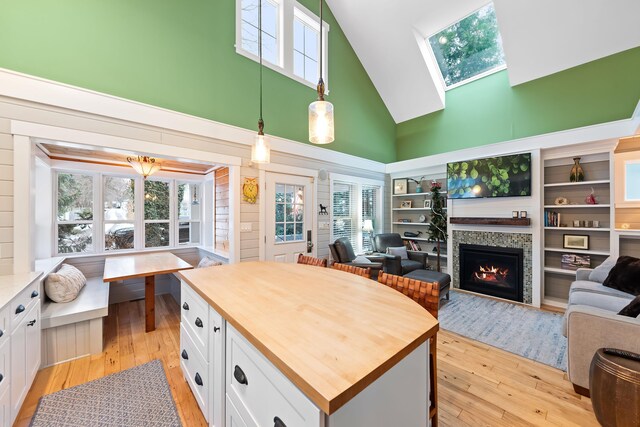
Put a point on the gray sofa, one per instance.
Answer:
(591, 322)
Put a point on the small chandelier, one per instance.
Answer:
(321, 127)
(144, 165)
(260, 150)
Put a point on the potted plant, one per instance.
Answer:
(438, 221)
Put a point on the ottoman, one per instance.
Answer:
(443, 279)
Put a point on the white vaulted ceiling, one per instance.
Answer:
(540, 38)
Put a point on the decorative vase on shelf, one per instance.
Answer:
(419, 188)
(577, 173)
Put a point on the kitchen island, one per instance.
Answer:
(271, 344)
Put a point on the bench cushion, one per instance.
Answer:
(92, 302)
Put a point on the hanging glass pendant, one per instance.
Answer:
(321, 124)
(260, 150)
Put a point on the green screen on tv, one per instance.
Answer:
(506, 176)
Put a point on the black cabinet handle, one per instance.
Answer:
(198, 322)
(1, 332)
(34, 294)
(33, 322)
(277, 422)
(198, 379)
(185, 356)
(216, 328)
(239, 375)
(20, 309)
(185, 306)
(1, 377)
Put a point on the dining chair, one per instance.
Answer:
(309, 260)
(427, 294)
(359, 271)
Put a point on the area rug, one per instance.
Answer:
(139, 396)
(528, 332)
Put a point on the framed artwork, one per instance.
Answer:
(427, 204)
(574, 262)
(400, 186)
(575, 241)
(405, 204)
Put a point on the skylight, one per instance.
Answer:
(470, 48)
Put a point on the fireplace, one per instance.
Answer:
(492, 271)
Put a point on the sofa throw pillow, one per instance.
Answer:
(625, 275)
(633, 309)
(361, 260)
(400, 250)
(208, 262)
(600, 273)
(65, 284)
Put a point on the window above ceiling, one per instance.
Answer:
(469, 49)
(290, 38)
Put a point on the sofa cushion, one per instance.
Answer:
(600, 273)
(611, 303)
(208, 262)
(65, 284)
(633, 309)
(597, 288)
(625, 275)
(408, 266)
(398, 251)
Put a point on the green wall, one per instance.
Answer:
(489, 110)
(180, 55)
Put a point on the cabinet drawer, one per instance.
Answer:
(5, 408)
(22, 303)
(5, 322)
(233, 416)
(260, 391)
(196, 371)
(195, 317)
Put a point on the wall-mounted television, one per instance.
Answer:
(505, 176)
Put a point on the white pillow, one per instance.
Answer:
(400, 250)
(208, 262)
(362, 260)
(600, 273)
(65, 284)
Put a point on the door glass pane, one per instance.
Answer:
(156, 234)
(279, 232)
(119, 198)
(118, 236)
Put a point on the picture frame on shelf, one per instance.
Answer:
(427, 204)
(405, 204)
(574, 262)
(400, 186)
(575, 241)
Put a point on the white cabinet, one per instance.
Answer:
(25, 355)
(202, 353)
(5, 407)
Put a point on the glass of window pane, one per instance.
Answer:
(298, 35)
(156, 200)
(311, 42)
(188, 202)
(75, 197)
(279, 212)
(249, 38)
(119, 198)
(118, 236)
(299, 232)
(289, 194)
(270, 18)
(156, 234)
(289, 232)
(250, 11)
(298, 64)
(279, 232)
(184, 233)
(279, 193)
(74, 238)
(289, 212)
(299, 195)
(299, 211)
(269, 48)
(310, 69)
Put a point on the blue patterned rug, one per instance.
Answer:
(139, 396)
(528, 332)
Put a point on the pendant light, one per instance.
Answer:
(260, 150)
(321, 129)
(144, 165)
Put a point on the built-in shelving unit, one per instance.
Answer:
(413, 213)
(598, 172)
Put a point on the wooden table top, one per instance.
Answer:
(140, 265)
(331, 333)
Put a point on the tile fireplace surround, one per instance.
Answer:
(504, 240)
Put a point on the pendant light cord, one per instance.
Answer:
(260, 121)
(321, 52)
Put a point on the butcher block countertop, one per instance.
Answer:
(331, 333)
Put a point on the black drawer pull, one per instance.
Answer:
(1, 332)
(34, 294)
(277, 422)
(198, 322)
(198, 379)
(185, 356)
(33, 322)
(239, 375)
(185, 306)
(216, 328)
(20, 309)
(1, 377)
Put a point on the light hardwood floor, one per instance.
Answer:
(479, 385)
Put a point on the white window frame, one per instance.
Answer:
(358, 182)
(621, 162)
(288, 9)
(200, 221)
(98, 173)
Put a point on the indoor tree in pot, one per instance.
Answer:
(438, 221)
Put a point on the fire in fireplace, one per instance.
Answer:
(492, 271)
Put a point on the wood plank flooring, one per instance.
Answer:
(479, 385)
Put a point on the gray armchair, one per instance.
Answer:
(397, 266)
(342, 252)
